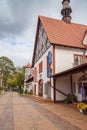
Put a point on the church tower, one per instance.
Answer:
(66, 11)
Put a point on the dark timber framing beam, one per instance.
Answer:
(71, 71)
(55, 89)
(71, 85)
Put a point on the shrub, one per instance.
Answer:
(70, 98)
(31, 92)
(26, 91)
(20, 91)
(1, 90)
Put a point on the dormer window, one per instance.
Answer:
(78, 59)
(85, 39)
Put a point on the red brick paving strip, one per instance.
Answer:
(6, 117)
(21, 113)
(55, 119)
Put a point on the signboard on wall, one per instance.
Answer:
(49, 57)
(35, 74)
(49, 72)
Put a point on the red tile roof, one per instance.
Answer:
(28, 66)
(61, 33)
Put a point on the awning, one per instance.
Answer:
(77, 69)
(29, 80)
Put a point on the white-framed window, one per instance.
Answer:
(78, 59)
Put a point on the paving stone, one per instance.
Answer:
(21, 113)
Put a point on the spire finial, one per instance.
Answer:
(66, 11)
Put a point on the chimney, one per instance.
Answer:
(66, 11)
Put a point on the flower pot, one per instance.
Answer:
(85, 112)
(81, 110)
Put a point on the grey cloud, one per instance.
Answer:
(16, 21)
(19, 15)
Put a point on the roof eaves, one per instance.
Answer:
(77, 69)
(58, 44)
(35, 41)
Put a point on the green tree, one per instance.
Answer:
(7, 69)
(12, 83)
(20, 73)
(18, 78)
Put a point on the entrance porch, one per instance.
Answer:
(71, 84)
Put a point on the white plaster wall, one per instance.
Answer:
(85, 40)
(42, 75)
(35, 83)
(44, 95)
(65, 58)
(28, 86)
(63, 84)
(76, 81)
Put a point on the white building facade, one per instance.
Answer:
(55, 53)
(28, 83)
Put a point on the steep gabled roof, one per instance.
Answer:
(61, 33)
(28, 66)
(85, 38)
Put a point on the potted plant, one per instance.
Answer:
(84, 109)
(79, 106)
(70, 98)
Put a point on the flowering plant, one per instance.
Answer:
(84, 107)
(79, 106)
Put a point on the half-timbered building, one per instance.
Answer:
(60, 57)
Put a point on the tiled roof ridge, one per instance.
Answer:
(62, 33)
(41, 16)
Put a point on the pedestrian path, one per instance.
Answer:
(6, 112)
(69, 113)
(27, 116)
(21, 113)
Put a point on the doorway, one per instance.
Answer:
(34, 89)
(40, 85)
(83, 89)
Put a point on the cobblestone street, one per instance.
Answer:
(21, 113)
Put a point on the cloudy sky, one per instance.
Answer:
(18, 21)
